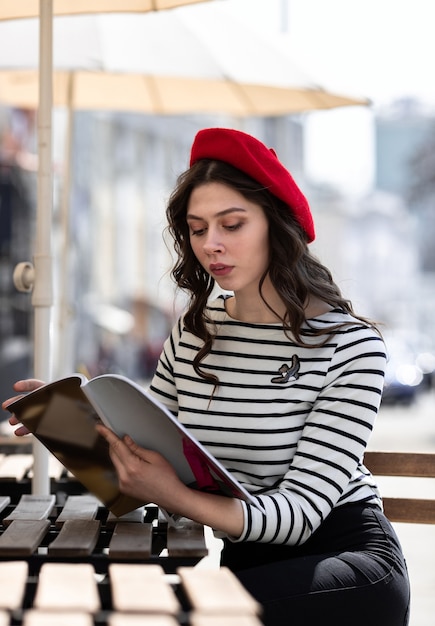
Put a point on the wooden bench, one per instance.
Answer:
(70, 594)
(81, 529)
(406, 465)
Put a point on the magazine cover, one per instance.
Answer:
(62, 415)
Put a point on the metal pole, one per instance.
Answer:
(42, 296)
(63, 360)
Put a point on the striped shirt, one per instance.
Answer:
(291, 423)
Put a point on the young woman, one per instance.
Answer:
(282, 381)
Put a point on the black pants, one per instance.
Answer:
(351, 572)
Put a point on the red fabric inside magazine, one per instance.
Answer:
(204, 479)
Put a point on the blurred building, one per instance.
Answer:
(123, 169)
(115, 300)
(401, 129)
(404, 133)
(17, 219)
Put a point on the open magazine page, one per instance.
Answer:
(63, 420)
(127, 408)
(62, 415)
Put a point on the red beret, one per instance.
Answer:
(260, 163)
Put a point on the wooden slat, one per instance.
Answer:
(33, 617)
(410, 510)
(406, 465)
(67, 587)
(77, 538)
(4, 618)
(413, 464)
(131, 541)
(186, 539)
(141, 588)
(82, 507)
(217, 591)
(13, 579)
(31, 507)
(22, 537)
(134, 517)
(126, 619)
(4, 502)
(199, 619)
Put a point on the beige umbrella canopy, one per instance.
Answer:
(198, 59)
(13, 9)
(166, 95)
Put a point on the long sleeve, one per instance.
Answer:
(290, 422)
(325, 470)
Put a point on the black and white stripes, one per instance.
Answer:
(290, 422)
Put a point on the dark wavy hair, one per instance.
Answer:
(294, 272)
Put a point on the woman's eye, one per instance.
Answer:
(197, 231)
(233, 227)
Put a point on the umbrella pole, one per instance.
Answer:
(64, 360)
(42, 297)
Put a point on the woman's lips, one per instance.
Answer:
(219, 269)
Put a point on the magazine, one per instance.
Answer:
(62, 416)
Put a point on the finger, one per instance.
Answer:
(108, 434)
(123, 448)
(116, 444)
(21, 431)
(28, 384)
(112, 438)
(131, 444)
(9, 401)
(24, 386)
(143, 453)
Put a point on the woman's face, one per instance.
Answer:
(229, 236)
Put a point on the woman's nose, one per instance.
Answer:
(212, 244)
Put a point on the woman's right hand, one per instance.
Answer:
(22, 386)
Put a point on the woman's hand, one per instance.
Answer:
(23, 386)
(144, 474)
(147, 475)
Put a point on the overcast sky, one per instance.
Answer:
(381, 49)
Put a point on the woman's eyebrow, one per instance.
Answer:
(190, 216)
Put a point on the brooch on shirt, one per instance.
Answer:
(287, 372)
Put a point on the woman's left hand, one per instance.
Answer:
(143, 474)
(148, 476)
